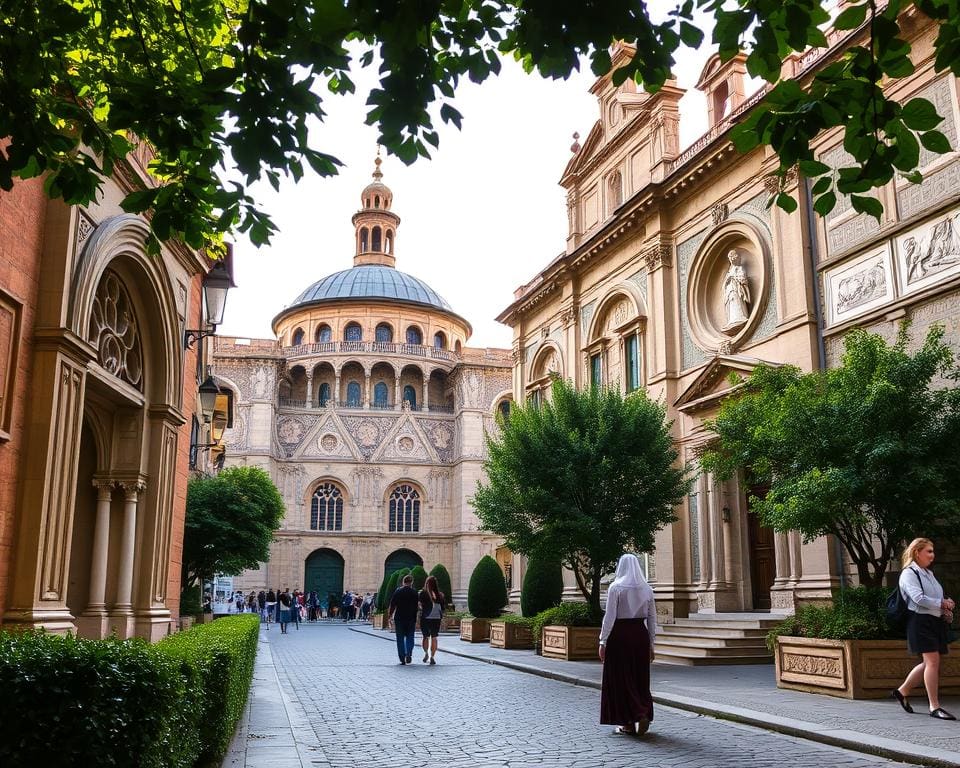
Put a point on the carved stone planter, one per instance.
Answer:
(570, 643)
(475, 630)
(852, 669)
(511, 636)
(450, 624)
(379, 620)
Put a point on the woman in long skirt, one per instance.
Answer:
(626, 650)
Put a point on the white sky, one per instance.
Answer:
(479, 219)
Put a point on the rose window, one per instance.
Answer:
(113, 331)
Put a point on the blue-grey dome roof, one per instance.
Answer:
(370, 281)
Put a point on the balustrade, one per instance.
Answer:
(372, 347)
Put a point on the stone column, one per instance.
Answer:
(426, 393)
(101, 547)
(782, 554)
(366, 391)
(309, 390)
(128, 542)
(796, 560)
(703, 528)
(336, 389)
(716, 531)
(396, 393)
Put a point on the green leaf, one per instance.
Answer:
(935, 141)
(822, 185)
(851, 17)
(786, 202)
(812, 168)
(825, 203)
(868, 205)
(920, 115)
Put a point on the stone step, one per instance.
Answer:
(721, 632)
(717, 651)
(673, 639)
(679, 658)
(728, 623)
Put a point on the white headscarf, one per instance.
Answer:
(629, 574)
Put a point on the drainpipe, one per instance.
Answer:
(821, 347)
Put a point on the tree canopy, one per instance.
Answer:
(231, 518)
(584, 477)
(212, 84)
(866, 451)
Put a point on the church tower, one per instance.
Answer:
(375, 224)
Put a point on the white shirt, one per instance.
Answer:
(926, 600)
(629, 603)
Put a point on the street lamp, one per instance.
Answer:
(216, 283)
(208, 398)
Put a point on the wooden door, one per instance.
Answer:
(763, 562)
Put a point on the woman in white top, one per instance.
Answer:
(626, 650)
(930, 613)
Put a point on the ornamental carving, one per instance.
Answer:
(719, 213)
(329, 443)
(291, 431)
(569, 316)
(113, 331)
(821, 666)
(657, 256)
(771, 184)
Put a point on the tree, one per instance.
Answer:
(487, 590)
(542, 586)
(230, 521)
(584, 478)
(214, 83)
(866, 452)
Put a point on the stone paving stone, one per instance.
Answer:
(351, 704)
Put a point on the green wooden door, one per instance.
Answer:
(400, 559)
(324, 573)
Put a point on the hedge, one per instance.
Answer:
(542, 586)
(391, 588)
(419, 577)
(487, 592)
(443, 582)
(73, 702)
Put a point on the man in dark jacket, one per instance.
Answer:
(403, 611)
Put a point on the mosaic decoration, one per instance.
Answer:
(367, 432)
(690, 354)
(639, 279)
(442, 437)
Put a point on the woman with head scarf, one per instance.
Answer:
(626, 650)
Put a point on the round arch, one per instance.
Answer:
(541, 358)
(323, 573)
(616, 293)
(401, 558)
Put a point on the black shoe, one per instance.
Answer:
(409, 660)
(433, 661)
(941, 714)
(895, 694)
(403, 661)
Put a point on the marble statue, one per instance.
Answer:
(736, 293)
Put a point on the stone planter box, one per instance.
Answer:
(185, 623)
(475, 630)
(511, 636)
(203, 618)
(570, 643)
(852, 669)
(450, 624)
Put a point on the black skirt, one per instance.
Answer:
(926, 634)
(625, 697)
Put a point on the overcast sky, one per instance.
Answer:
(480, 218)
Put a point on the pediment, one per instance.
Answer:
(406, 443)
(713, 383)
(586, 152)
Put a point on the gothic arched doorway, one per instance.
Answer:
(401, 558)
(323, 573)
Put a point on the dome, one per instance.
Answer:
(372, 281)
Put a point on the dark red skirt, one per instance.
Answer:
(625, 697)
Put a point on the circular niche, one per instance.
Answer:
(727, 287)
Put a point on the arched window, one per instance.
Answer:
(297, 339)
(414, 336)
(384, 332)
(326, 508)
(410, 396)
(504, 409)
(377, 237)
(324, 394)
(380, 395)
(353, 332)
(324, 334)
(376, 201)
(364, 240)
(404, 509)
(353, 394)
(389, 241)
(615, 183)
(439, 341)
(457, 347)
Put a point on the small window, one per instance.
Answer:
(297, 337)
(535, 398)
(504, 410)
(353, 332)
(390, 241)
(326, 509)
(376, 244)
(324, 394)
(380, 395)
(384, 333)
(376, 201)
(324, 334)
(596, 370)
(364, 240)
(353, 394)
(404, 516)
(410, 396)
(414, 336)
(439, 341)
(632, 352)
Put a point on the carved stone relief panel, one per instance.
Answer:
(929, 253)
(367, 432)
(442, 436)
(859, 285)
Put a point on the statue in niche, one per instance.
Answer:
(736, 293)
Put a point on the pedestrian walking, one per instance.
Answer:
(403, 611)
(285, 602)
(432, 604)
(262, 605)
(238, 600)
(626, 650)
(930, 613)
(271, 606)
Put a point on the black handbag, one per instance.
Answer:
(897, 610)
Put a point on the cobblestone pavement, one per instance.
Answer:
(364, 709)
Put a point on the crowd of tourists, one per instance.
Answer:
(304, 606)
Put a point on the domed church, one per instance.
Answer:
(368, 409)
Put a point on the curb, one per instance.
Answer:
(846, 739)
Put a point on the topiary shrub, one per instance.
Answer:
(564, 615)
(391, 588)
(487, 592)
(190, 601)
(443, 582)
(381, 594)
(419, 577)
(542, 586)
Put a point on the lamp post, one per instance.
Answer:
(216, 283)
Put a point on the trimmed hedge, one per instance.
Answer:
(72, 702)
(443, 581)
(381, 594)
(512, 618)
(419, 577)
(565, 614)
(391, 588)
(487, 592)
(542, 586)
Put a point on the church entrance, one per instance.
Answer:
(323, 573)
(763, 563)
(401, 558)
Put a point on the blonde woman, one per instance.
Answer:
(930, 613)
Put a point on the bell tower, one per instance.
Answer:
(375, 224)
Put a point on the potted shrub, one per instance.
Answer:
(567, 632)
(486, 596)
(847, 650)
(512, 632)
(451, 621)
(443, 583)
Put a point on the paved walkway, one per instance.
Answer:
(334, 696)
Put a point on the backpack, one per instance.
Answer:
(897, 610)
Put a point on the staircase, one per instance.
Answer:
(716, 638)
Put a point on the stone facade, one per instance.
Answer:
(354, 412)
(97, 396)
(677, 275)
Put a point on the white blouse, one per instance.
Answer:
(927, 599)
(629, 603)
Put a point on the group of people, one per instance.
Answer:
(305, 606)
